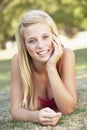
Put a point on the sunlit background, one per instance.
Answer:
(71, 19)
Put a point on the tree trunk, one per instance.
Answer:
(3, 45)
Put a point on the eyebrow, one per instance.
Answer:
(45, 33)
(29, 38)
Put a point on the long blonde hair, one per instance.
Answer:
(25, 61)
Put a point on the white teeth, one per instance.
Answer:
(43, 52)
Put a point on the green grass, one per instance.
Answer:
(74, 121)
(4, 75)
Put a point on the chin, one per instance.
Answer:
(44, 60)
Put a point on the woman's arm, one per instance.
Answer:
(17, 111)
(44, 116)
(64, 87)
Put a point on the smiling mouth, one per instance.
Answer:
(42, 53)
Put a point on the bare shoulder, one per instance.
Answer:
(15, 70)
(68, 54)
(15, 59)
(68, 59)
(15, 64)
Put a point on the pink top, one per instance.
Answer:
(47, 103)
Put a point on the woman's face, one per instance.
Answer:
(38, 41)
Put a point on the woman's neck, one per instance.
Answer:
(39, 67)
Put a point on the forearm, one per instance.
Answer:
(63, 97)
(22, 114)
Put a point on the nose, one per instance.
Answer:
(40, 44)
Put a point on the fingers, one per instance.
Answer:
(49, 117)
(50, 113)
(57, 44)
(49, 110)
(51, 121)
(57, 40)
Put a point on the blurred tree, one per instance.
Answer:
(69, 15)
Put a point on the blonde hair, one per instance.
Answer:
(25, 61)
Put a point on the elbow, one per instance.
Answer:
(14, 115)
(70, 109)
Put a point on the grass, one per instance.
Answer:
(75, 121)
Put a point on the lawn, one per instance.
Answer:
(74, 121)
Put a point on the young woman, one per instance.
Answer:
(43, 85)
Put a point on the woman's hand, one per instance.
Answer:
(58, 50)
(48, 117)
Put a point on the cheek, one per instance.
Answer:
(51, 44)
(30, 49)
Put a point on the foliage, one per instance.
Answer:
(69, 15)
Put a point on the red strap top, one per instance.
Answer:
(47, 103)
